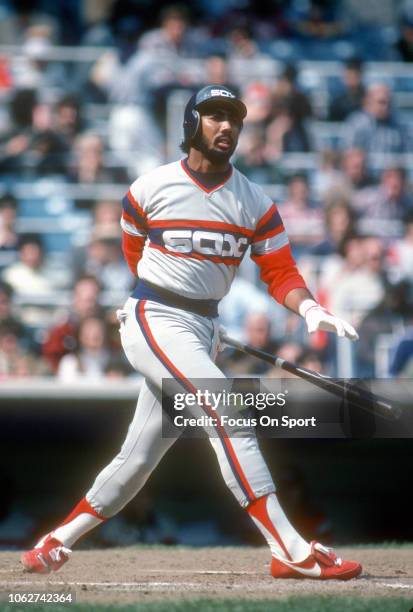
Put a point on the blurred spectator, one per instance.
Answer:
(91, 356)
(385, 318)
(8, 235)
(8, 316)
(103, 258)
(256, 333)
(18, 16)
(290, 351)
(116, 368)
(140, 88)
(315, 19)
(388, 203)
(174, 36)
(258, 100)
(106, 213)
(311, 360)
(339, 223)
(376, 129)
(350, 98)
(217, 71)
(95, 81)
(401, 363)
(68, 121)
(327, 175)
(89, 168)
(252, 159)
(20, 107)
(356, 284)
(28, 276)
(302, 220)
(15, 360)
(134, 134)
(89, 164)
(33, 145)
(241, 43)
(244, 297)
(287, 134)
(287, 94)
(355, 170)
(61, 338)
(401, 254)
(34, 69)
(5, 74)
(405, 42)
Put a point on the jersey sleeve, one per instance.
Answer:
(134, 227)
(270, 250)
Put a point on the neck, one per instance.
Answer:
(199, 163)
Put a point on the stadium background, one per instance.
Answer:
(91, 95)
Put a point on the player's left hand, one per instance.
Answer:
(318, 318)
(221, 345)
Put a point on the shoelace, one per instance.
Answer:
(56, 553)
(326, 554)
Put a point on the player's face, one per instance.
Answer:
(219, 134)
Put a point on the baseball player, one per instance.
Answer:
(186, 228)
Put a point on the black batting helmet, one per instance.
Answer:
(210, 94)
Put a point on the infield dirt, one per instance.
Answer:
(139, 574)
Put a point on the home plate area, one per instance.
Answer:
(138, 574)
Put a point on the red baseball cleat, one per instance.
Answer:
(47, 556)
(321, 564)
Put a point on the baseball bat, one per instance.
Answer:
(355, 394)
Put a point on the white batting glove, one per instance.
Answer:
(318, 318)
(221, 346)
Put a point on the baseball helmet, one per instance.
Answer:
(210, 94)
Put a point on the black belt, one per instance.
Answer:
(148, 291)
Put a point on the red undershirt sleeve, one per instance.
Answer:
(270, 250)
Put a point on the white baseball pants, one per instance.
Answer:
(163, 342)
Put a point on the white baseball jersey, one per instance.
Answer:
(189, 239)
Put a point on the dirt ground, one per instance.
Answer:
(146, 574)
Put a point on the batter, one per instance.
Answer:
(186, 228)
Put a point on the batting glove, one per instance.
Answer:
(318, 318)
(221, 345)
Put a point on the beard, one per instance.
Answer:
(215, 156)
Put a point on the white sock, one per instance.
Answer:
(69, 534)
(82, 519)
(284, 541)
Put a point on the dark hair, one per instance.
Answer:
(21, 107)
(68, 100)
(8, 201)
(354, 63)
(6, 289)
(174, 11)
(290, 72)
(88, 277)
(31, 239)
(408, 217)
(298, 176)
(185, 146)
(401, 170)
(342, 247)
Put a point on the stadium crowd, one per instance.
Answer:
(77, 129)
